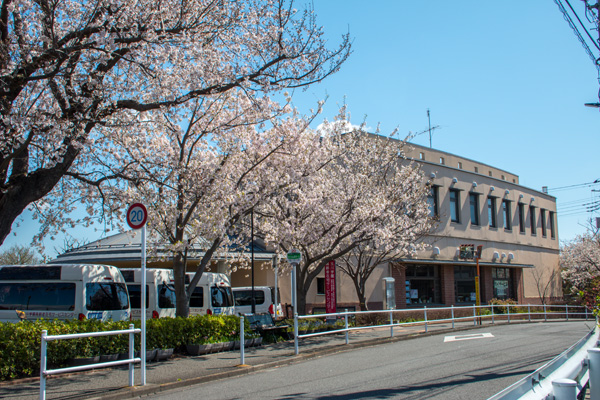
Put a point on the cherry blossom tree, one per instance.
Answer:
(73, 70)
(199, 171)
(360, 192)
(580, 261)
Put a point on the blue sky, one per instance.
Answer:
(506, 83)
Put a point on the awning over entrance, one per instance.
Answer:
(461, 262)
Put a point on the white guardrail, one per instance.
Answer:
(451, 314)
(563, 378)
(48, 338)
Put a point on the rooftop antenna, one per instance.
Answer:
(429, 119)
(431, 128)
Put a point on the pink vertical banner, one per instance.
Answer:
(330, 294)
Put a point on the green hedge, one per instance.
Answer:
(20, 343)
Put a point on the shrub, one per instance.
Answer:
(20, 343)
(501, 306)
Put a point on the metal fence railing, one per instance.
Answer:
(380, 319)
(44, 372)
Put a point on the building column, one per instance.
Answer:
(447, 284)
(398, 272)
(518, 282)
(487, 284)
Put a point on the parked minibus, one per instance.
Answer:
(160, 293)
(263, 301)
(62, 291)
(212, 295)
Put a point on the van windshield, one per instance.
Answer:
(106, 296)
(221, 296)
(46, 296)
(166, 297)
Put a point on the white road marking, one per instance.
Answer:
(467, 337)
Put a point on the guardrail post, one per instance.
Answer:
(529, 311)
(296, 351)
(594, 373)
(131, 355)
(545, 314)
(243, 341)
(567, 311)
(564, 389)
(586, 315)
(508, 312)
(492, 313)
(391, 324)
(452, 313)
(346, 324)
(474, 315)
(43, 366)
(425, 314)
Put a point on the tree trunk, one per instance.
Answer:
(303, 281)
(360, 293)
(181, 297)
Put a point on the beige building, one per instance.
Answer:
(474, 203)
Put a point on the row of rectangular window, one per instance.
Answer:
(547, 222)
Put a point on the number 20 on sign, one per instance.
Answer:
(137, 215)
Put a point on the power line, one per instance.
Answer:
(569, 20)
(578, 185)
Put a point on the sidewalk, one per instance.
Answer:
(111, 383)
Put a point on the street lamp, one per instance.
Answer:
(593, 105)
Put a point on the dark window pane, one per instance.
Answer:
(474, 206)
(59, 296)
(221, 297)
(166, 296)
(454, 205)
(244, 297)
(106, 296)
(197, 297)
(29, 273)
(320, 285)
(135, 295)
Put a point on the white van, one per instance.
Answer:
(62, 291)
(160, 294)
(212, 295)
(263, 300)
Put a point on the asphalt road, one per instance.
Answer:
(478, 365)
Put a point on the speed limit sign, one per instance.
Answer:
(137, 215)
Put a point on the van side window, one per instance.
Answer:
(55, 296)
(106, 296)
(197, 298)
(135, 295)
(166, 297)
(244, 297)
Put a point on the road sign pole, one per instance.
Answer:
(143, 307)
(294, 257)
(137, 216)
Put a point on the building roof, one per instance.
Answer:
(126, 246)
